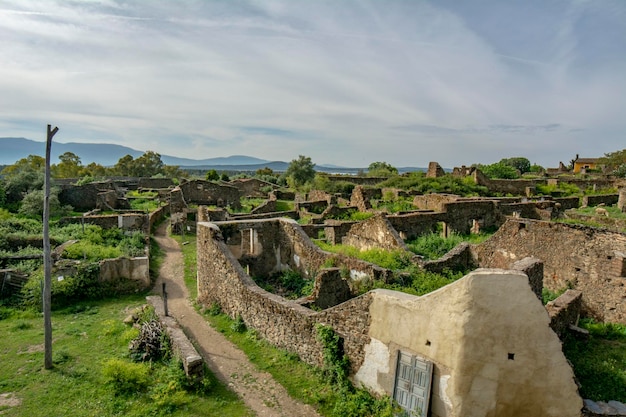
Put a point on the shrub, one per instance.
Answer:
(82, 285)
(124, 377)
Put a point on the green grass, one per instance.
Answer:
(188, 246)
(434, 246)
(599, 362)
(614, 212)
(85, 337)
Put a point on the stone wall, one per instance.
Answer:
(434, 170)
(357, 179)
(584, 258)
(210, 194)
(128, 221)
(434, 201)
(253, 187)
(565, 311)
(375, 232)
(458, 259)
(158, 215)
(84, 197)
(594, 200)
(154, 183)
(121, 269)
(361, 197)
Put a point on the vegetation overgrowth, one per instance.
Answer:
(93, 371)
(408, 276)
(600, 362)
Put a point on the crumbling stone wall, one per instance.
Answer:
(282, 322)
(565, 311)
(621, 200)
(210, 194)
(316, 207)
(84, 197)
(268, 206)
(335, 230)
(606, 199)
(358, 180)
(458, 259)
(584, 258)
(154, 183)
(410, 226)
(434, 170)
(433, 201)
(319, 195)
(126, 221)
(375, 232)
(253, 187)
(361, 197)
(126, 269)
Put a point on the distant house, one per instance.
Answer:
(581, 164)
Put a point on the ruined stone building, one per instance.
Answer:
(484, 341)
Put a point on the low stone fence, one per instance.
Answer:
(182, 346)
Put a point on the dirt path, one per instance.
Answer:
(259, 390)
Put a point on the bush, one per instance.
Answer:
(84, 284)
(126, 378)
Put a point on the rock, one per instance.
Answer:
(592, 406)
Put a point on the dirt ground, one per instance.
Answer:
(257, 389)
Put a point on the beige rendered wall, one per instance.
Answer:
(469, 330)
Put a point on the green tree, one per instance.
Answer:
(32, 204)
(499, 171)
(25, 175)
(519, 163)
(94, 170)
(300, 172)
(225, 177)
(264, 171)
(124, 166)
(212, 175)
(381, 169)
(148, 164)
(613, 160)
(69, 167)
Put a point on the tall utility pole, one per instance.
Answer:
(47, 259)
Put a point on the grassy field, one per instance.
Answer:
(85, 338)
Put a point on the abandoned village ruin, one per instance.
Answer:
(484, 345)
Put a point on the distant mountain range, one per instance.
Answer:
(14, 149)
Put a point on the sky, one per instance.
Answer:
(344, 82)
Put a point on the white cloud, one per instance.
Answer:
(346, 82)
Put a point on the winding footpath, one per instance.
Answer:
(260, 392)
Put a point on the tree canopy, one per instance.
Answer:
(300, 171)
(519, 163)
(381, 169)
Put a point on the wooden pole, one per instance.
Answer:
(47, 260)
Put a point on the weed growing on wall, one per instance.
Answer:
(355, 402)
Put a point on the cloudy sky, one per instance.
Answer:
(346, 82)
